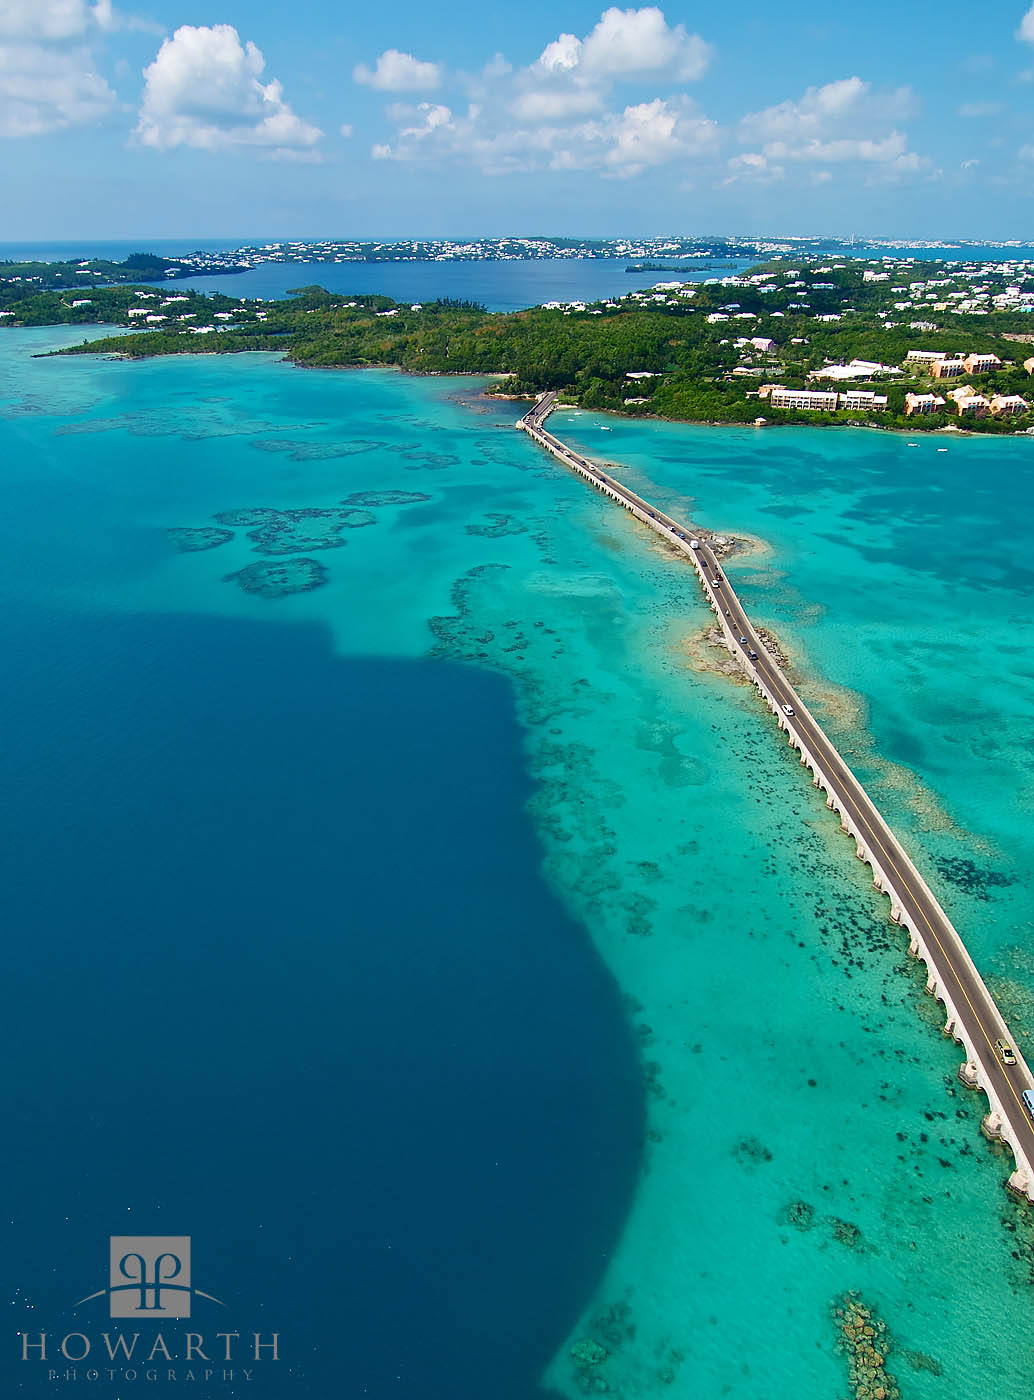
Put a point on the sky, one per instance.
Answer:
(254, 118)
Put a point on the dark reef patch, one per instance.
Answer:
(800, 1215)
(253, 515)
(975, 880)
(278, 580)
(846, 1233)
(373, 499)
(497, 526)
(751, 1152)
(315, 451)
(417, 460)
(293, 531)
(186, 540)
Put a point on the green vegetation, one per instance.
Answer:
(93, 272)
(26, 305)
(686, 355)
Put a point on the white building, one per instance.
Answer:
(857, 369)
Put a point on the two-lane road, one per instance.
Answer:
(977, 1011)
(978, 1021)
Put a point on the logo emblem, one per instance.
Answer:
(149, 1277)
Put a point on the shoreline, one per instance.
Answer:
(948, 429)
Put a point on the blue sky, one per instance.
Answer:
(219, 118)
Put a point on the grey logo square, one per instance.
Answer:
(150, 1276)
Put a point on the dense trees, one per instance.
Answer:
(95, 272)
(689, 347)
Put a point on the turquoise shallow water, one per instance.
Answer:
(902, 574)
(805, 1134)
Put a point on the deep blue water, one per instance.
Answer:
(283, 975)
(501, 286)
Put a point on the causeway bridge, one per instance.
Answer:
(972, 1018)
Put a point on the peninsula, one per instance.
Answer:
(893, 342)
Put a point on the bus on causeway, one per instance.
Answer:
(1028, 1099)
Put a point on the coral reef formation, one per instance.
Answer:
(269, 580)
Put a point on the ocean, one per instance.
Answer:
(431, 934)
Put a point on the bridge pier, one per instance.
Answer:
(991, 1126)
(1020, 1184)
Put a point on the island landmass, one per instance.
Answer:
(894, 342)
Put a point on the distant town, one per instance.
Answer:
(517, 249)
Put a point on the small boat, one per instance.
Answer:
(913, 444)
(942, 449)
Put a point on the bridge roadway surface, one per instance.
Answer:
(974, 1020)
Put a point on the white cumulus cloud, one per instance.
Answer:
(752, 168)
(1026, 29)
(626, 44)
(616, 144)
(43, 89)
(840, 122)
(541, 104)
(657, 133)
(399, 72)
(51, 19)
(824, 110)
(205, 89)
(559, 113)
(49, 78)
